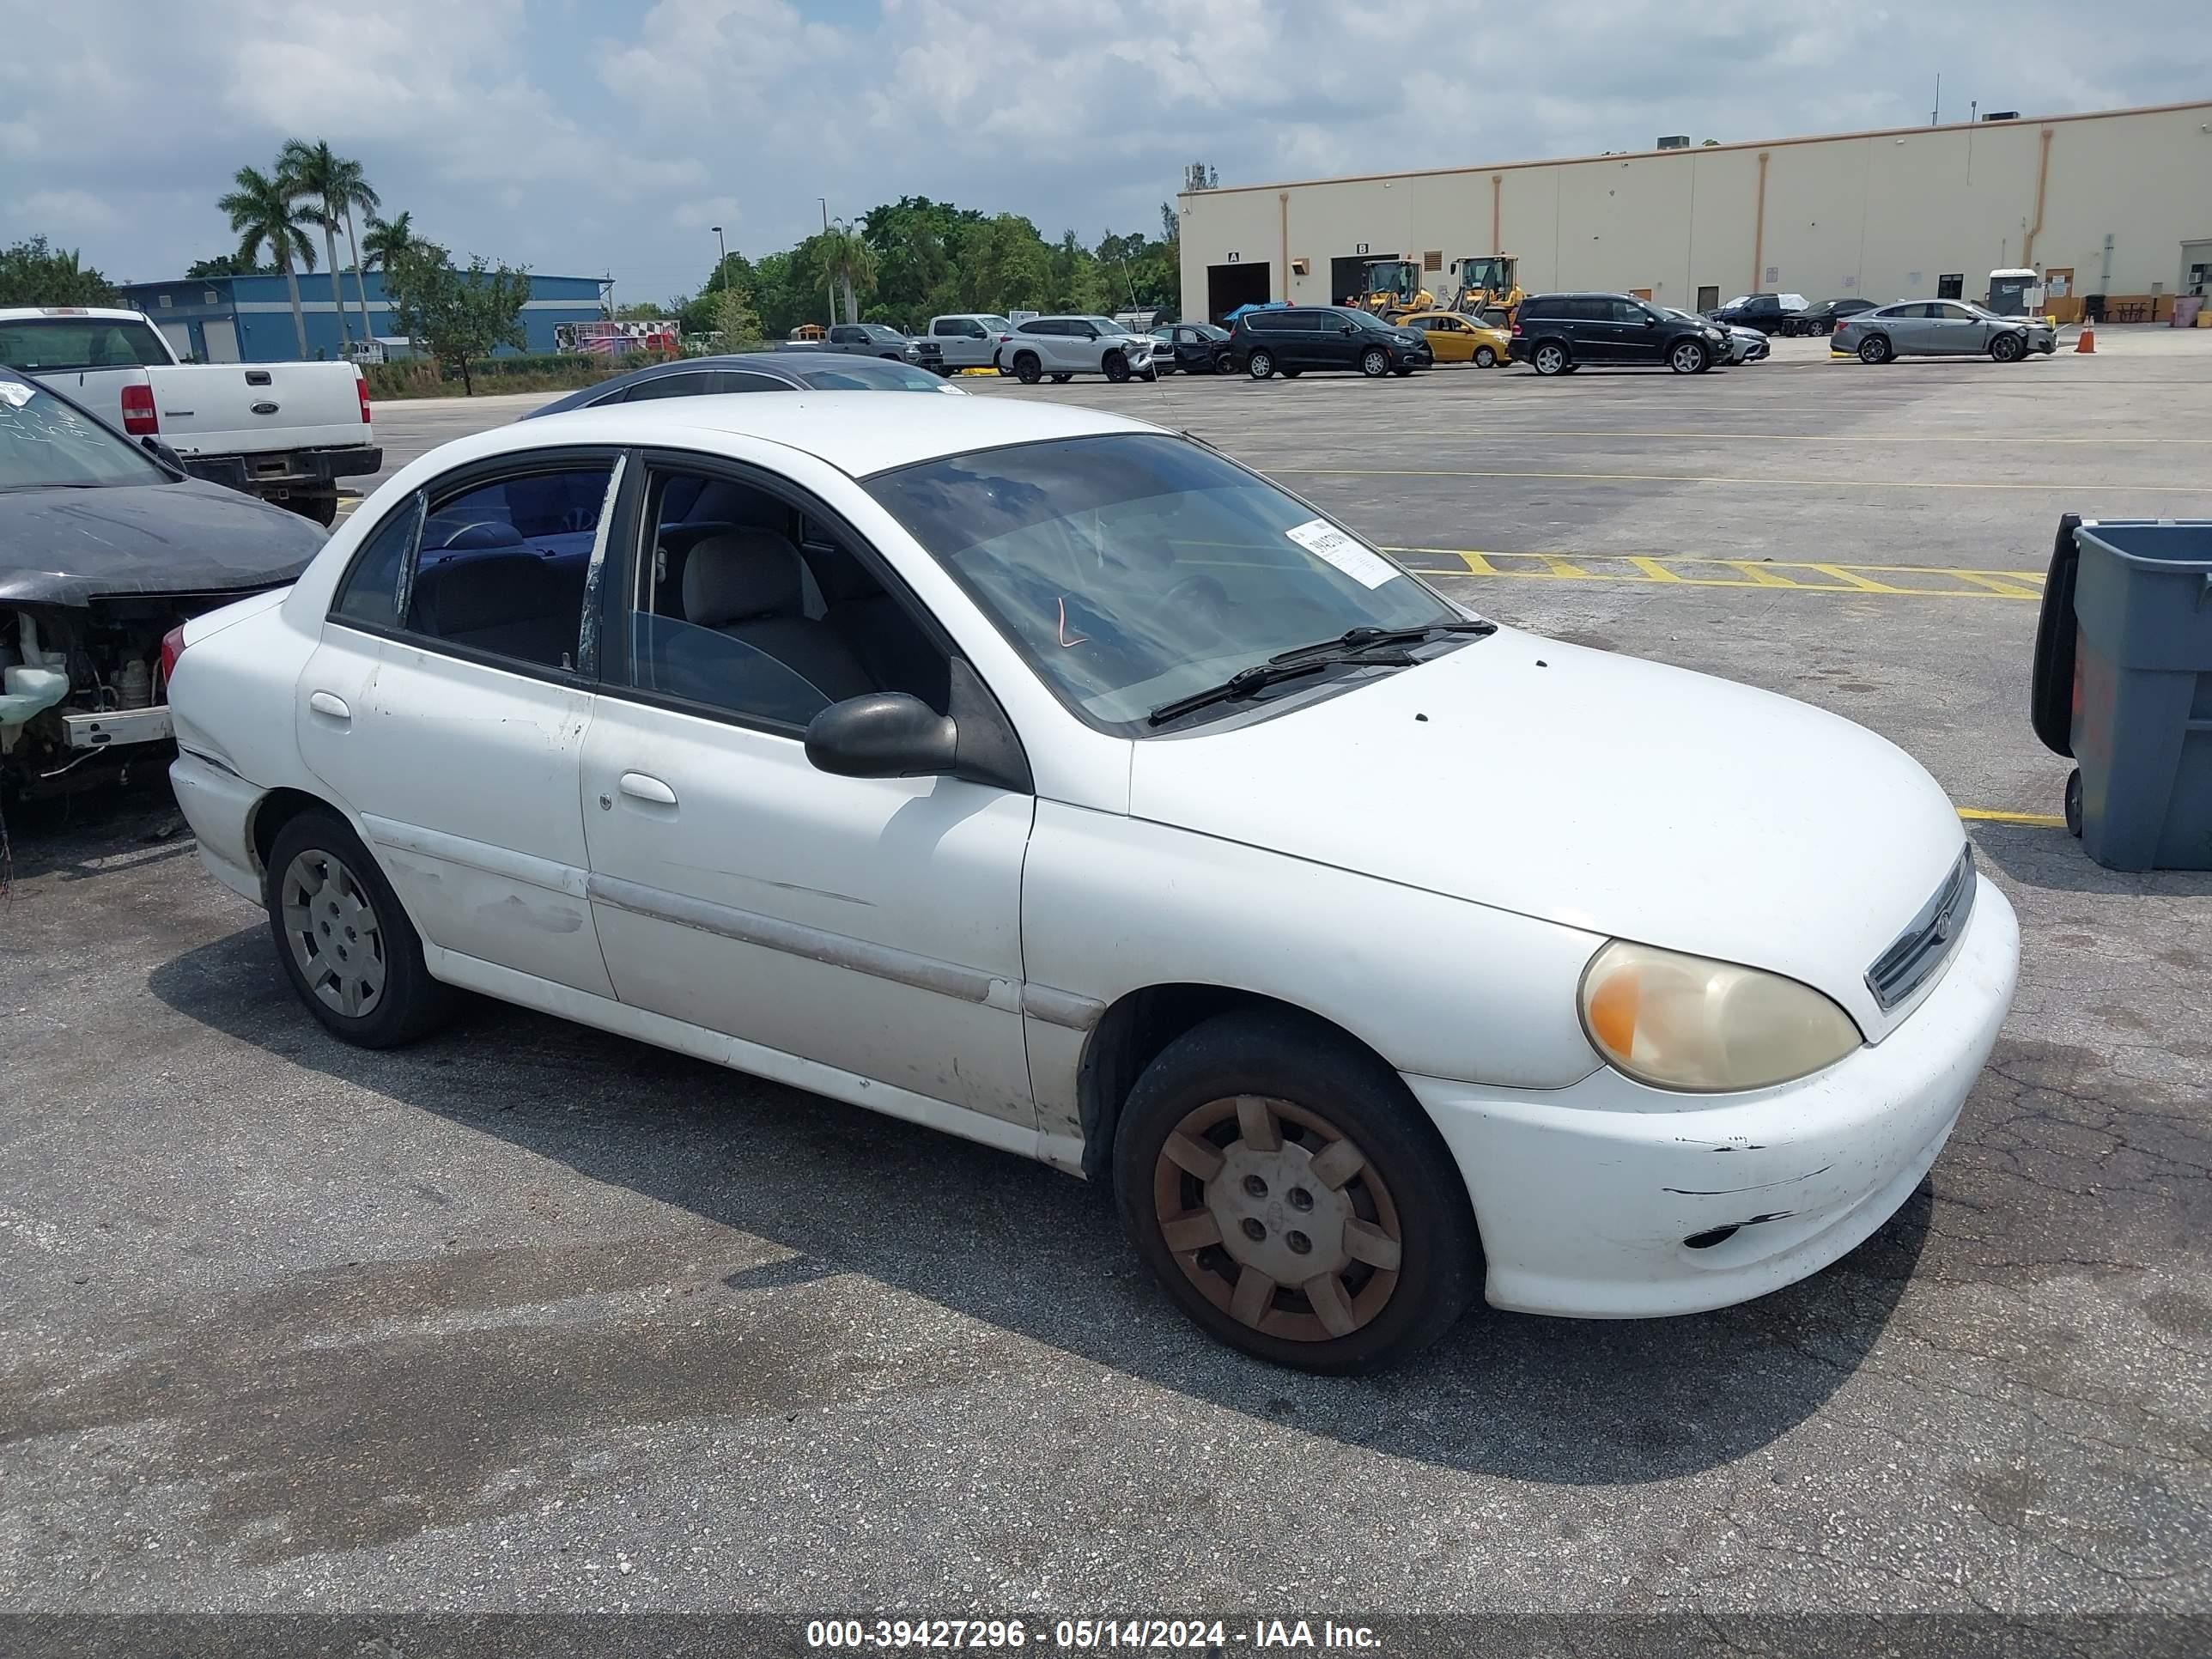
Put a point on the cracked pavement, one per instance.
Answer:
(529, 1318)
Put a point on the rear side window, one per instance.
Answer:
(1306, 322)
(1543, 305)
(370, 592)
(49, 344)
(671, 385)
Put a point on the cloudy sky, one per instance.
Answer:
(585, 136)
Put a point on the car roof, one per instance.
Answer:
(98, 314)
(859, 432)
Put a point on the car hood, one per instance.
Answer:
(1604, 793)
(65, 546)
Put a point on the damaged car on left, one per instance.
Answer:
(106, 548)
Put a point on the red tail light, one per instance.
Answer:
(173, 646)
(360, 386)
(139, 418)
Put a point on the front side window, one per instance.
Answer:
(496, 566)
(1133, 569)
(48, 345)
(694, 384)
(45, 442)
(744, 605)
(872, 375)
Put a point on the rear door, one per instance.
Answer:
(446, 704)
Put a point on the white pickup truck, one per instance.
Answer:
(286, 431)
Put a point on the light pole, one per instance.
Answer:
(722, 248)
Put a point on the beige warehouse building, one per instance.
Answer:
(2116, 203)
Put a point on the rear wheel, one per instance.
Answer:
(1027, 369)
(344, 940)
(1291, 1197)
(1261, 364)
(1549, 358)
(2008, 348)
(1689, 357)
(1375, 363)
(2074, 802)
(1874, 348)
(1485, 357)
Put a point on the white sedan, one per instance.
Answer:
(1048, 778)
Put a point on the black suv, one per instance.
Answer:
(1557, 333)
(1770, 313)
(1299, 337)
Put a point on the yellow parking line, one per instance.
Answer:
(1760, 574)
(1863, 584)
(2010, 589)
(1559, 565)
(1708, 570)
(1652, 568)
(2068, 485)
(2032, 820)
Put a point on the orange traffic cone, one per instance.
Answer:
(2087, 343)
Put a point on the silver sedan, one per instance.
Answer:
(1942, 328)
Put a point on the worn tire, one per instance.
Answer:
(2074, 803)
(1375, 363)
(1028, 369)
(409, 1003)
(1874, 348)
(1485, 357)
(1311, 1068)
(1549, 358)
(1115, 367)
(1260, 365)
(2008, 348)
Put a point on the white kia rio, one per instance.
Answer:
(1047, 777)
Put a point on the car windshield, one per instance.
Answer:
(1362, 318)
(45, 443)
(1132, 569)
(882, 332)
(1209, 332)
(877, 376)
(48, 345)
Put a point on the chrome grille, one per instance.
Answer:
(1916, 952)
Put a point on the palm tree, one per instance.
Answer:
(262, 211)
(349, 188)
(311, 172)
(388, 240)
(847, 260)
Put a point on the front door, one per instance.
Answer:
(1951, 330)
(869, 925)
(445, 709)
(1636, 333)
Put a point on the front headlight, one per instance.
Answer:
(1682, 1021)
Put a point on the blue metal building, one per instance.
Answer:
(230, 319)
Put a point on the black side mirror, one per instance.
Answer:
(883, 734)
(1344, 328)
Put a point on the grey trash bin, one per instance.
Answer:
(2142, 697)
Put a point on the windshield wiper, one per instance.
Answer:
(1361, 638)
(1250, 682)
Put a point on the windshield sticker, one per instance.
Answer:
(1325, 541)
(14, 394)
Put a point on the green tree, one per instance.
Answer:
(643, 311)
(844, 260)
(387, 238)
(310, 173)
(33, 273)
(735, 320)
(227, 265)
(263, 212)
(457, 315)
(338, 185)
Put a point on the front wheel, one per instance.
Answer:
(342, 938)
(1485, 357)
(1116, 366)
(1874, 348)
(1291, 1197)
(1549, 359)
(1688, 357)
(1027, 369)
(1261, 364)
(1375, 363)
(2008, 348)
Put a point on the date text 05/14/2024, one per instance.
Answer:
(1291, 1635)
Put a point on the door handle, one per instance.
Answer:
(329, 702)
(639, 787)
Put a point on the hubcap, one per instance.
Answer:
(1277, 1218)
(330, 924)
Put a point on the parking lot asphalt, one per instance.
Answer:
(527, 1317)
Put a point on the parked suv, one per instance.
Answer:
(970, 339)
(1557, 333)
(1770, 313)
(1064, 347)
(1299, 337)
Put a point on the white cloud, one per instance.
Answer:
(64, 210)
(714, 210)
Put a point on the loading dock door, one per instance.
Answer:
(1228, 287)
(222, 339)
(1709, 298)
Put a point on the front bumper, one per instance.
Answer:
(1585, 1196)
